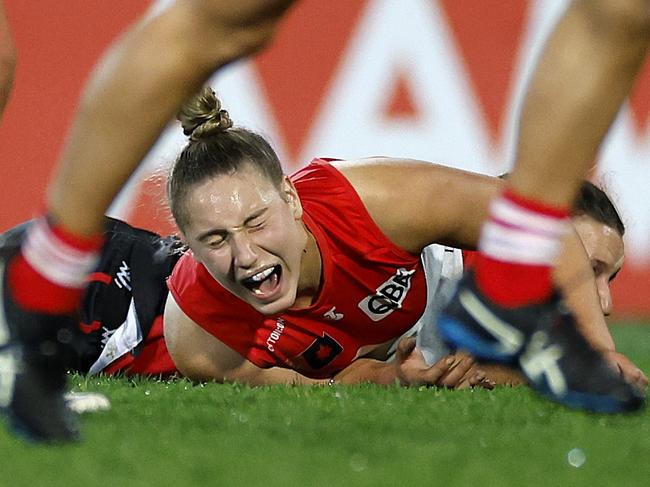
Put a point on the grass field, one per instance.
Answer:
(174, 433)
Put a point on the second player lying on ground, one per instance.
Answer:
(312, 275)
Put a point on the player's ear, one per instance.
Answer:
(290, 195)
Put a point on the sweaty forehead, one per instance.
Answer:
(600, 241)
(230, 198)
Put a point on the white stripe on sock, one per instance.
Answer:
(507, 211)
(515, 234)
(57, 261)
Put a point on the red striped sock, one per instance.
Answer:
(518, 247)
(49, 275)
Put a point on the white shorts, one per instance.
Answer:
(443, 267)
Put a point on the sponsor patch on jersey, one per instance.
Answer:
(389, 296)
(322, 351)
(275, 335)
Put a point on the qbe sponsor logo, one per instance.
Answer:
(389, 296)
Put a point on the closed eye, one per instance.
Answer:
(255, 223)
(257, 219)
(216, 242)
(216, 245)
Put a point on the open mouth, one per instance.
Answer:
(265, 282)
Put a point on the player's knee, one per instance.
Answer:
(628, 16)
(216, 36)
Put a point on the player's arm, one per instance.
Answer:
(417, 203)
(575, 276)
(408, 368)
(7, 59)
(579, 290)
(200, 356)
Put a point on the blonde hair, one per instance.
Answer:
(202, 115)
(215, 147)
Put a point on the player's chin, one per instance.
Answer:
(278, 305)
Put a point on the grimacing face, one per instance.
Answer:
(606, 252)
(249, 235)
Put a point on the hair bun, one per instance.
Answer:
(202, 116)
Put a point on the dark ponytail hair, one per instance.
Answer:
(215, 147)
(594, 202)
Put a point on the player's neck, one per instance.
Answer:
(311, 271)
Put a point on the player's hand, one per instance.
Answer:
(463, 373)
(627, 369)
(454, 371)
(502, 375)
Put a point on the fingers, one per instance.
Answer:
(463, 373)
(432, 375)
(476, 378)
(404, 348)
(635, 376)
(628, 370)
(642, 379)
(454, 371)
(458, 371)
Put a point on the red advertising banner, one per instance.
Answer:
(434, 80)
